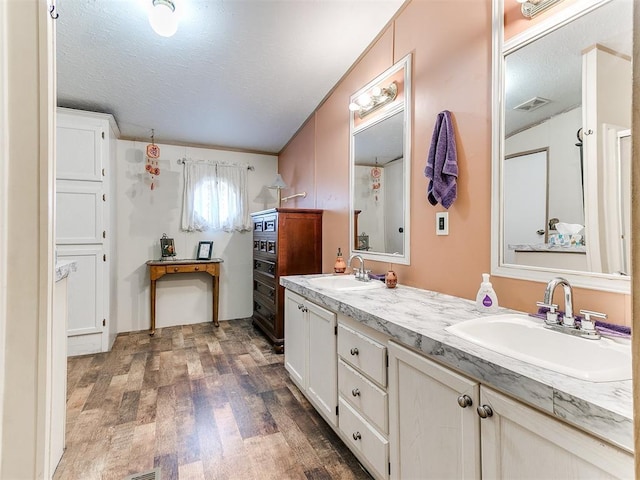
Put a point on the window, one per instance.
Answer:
(215, 197)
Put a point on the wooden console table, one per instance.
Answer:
(160, 268)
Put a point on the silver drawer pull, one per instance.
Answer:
(354, 351)
(485, 411)
(355, 392)
(357, 436)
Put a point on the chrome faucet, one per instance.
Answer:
(360, 273)
(567, 320)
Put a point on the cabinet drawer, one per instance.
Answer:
(262, 288)
(258, 224)
(363, 353)
(367, 398)
(363, 438)
(264, 266)
(270, 224)
(264, 311)
(185, 268)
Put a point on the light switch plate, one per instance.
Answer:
(442, 223)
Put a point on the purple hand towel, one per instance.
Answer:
(442, 163)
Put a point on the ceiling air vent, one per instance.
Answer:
(530, 105)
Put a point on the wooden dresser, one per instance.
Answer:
(286, 241)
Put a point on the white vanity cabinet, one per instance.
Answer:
(434, 426)
(521, 442)
(310, 355)
(362, 391)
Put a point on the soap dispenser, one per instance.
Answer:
(340, 266)
(486, 300)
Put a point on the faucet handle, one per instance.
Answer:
(587, 324)
(552, 314)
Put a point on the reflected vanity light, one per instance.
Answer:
(163, 17)
(531, 8)
(374, 99)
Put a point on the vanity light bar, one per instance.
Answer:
(531, 8)
(374, 99)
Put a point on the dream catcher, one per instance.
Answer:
(153, 153)
(376, 173)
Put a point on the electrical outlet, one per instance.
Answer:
(442, 223)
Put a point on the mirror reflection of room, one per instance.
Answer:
(566, 162)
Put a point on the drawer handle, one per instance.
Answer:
(175, 269)
(355, 392)
(300, 306)
(485, 411)
(465, 401)
(357, 436)
(197, 268)
(354, 351)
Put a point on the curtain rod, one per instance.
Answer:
(182, 161)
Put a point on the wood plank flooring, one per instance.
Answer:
(201, 403)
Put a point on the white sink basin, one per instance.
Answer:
(525, 338)
(347, 282)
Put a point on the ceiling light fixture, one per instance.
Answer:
(531, 8)
(374, 99)
(163, 18)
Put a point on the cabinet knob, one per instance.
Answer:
(357, 436)
(485, 411)
(305, 309)
(300, 306)
(175, 269)
(465, 401)
(354, 351)
(197, 268)
(355, 392)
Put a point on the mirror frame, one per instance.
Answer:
(501, 48)
(382, 114)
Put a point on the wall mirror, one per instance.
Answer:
(380, 162)
(561, 147)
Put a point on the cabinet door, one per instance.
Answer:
(79, 208)
(431, 435)
(295, 335)
(520, 442)
(322, 382)
(80, 147)
(85, 289)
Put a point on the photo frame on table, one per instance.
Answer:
(205, 249)
(167, 247)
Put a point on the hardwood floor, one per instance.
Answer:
(201, 403)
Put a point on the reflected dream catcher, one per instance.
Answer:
(151, 167)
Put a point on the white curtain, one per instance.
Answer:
(216, 197)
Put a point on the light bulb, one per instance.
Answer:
(364, 100)
(354, 107)
(162, 18)
(376, 91)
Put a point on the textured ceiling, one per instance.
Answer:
(239, 74)
(551, 67)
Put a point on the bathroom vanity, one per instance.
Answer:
(412, 400)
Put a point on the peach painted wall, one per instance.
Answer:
(451, 70)
(296, 165)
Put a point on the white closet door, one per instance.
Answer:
(79, 148)
(86, 288)
(79, 217)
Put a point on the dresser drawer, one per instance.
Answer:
(363, 438)
(363, 353)
(365, 396)
(263, 310)
(270, 223)
(264, 266)
(258, 224)
(264, 289)
(186, 268)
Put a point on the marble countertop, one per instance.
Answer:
(547, 247)
(63, 268)
(418, 318)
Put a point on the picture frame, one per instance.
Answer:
(167, 247)
(205, 249)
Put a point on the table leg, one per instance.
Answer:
(215, 292)
(152, 290)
